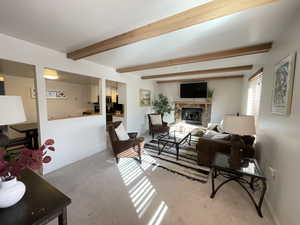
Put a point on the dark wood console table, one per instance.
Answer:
(41, 203)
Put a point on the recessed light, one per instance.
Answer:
(51, 74)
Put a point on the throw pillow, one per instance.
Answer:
(220, 129)
(197, 132)
(210, 134)
(211, 126)
(121, 133)
(156, 119)
(221, 136)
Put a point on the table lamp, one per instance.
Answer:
(238, 126)
(11, 112)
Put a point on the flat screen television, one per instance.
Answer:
(193, 90)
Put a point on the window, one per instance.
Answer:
(254, 94)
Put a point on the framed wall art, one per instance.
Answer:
(145, 97)
(283, 85)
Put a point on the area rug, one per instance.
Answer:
(186, 166)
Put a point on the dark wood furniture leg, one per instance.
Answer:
(29, 136)
(35, 139)
(62, 218)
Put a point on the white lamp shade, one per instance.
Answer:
(11, 110)
(241, 125)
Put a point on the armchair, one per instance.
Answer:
(125, 149)
(157, 129)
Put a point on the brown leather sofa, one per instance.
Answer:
(207, 147)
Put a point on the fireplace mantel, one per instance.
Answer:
(192, 103)
(206, 104)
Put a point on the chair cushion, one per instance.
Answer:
(121, 133)
(156, 119)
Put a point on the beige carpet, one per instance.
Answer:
(104, 193)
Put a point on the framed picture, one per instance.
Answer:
(283, 85)
(50, 94)
(145, 97)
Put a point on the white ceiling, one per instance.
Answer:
(71, 24)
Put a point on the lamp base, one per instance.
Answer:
(4, 140)
(236, 153)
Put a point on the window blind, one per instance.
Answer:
(254, 94)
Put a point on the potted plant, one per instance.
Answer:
(12, 163)
(210, 93)
(161, 105)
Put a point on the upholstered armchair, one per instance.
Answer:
(157, 128)
(131, 148)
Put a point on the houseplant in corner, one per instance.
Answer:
(161, 105)
(11, 165)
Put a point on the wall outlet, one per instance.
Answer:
(272, 172)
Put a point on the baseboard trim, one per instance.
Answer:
(272, 211)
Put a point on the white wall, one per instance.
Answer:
(278, 137)
(226, 99)
(76, 101)
(75, 138)
(21, 86)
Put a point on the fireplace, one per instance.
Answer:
(192, 115)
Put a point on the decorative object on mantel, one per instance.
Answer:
(283, 85)
(51, 94)
(145, 97)
(161, 105)
(12, 163)
(238, 126)
(210, 93)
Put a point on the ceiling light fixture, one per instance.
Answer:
(51, 74)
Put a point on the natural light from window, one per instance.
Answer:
(145, 199)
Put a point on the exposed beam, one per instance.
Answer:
(253, 76)
(248, 50)
(201, 79)
(200, 14)
(217, 70)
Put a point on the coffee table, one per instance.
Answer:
(173, 138)
(249, 176)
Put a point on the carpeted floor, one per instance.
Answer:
(185, 166)
(104, 193)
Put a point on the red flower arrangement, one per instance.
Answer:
(12, 163)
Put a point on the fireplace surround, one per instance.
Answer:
(199, 113)
(192, 115)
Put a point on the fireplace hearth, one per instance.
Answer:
(192, 115)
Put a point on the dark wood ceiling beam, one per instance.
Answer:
(248, 50)
(201, 79)
(198, 72)
(197, 15)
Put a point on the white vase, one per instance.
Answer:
(11, 192)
